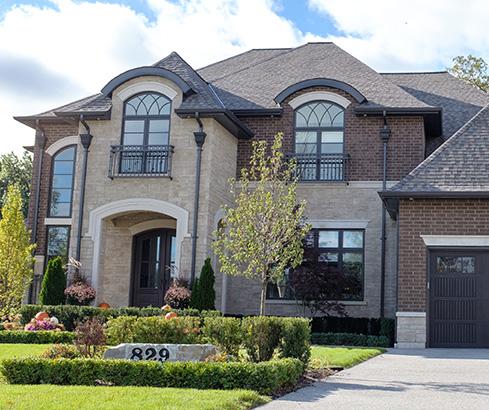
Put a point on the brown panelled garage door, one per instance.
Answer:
(459, 299)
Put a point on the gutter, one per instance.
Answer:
(86, 140)
(384, 111)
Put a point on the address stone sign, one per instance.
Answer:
(161, 352)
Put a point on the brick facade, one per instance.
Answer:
(431, 217)
(406, 147)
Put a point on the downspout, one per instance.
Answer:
(199, 143)
(385, 134)
(85, 140)
(41, 142)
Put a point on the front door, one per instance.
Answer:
(154, 258)
(459, 299)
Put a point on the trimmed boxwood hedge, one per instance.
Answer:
(69, 315)
(349, 339)
(265, 377)
(37, 337)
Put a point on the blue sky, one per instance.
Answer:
(56, 51)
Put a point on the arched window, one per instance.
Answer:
(61, 193)
(145, 134)
(319, 127)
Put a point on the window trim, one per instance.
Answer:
(51, 181)
(46, 245)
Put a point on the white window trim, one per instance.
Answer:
(319, 95)
(411, 314)
(58, 221)
(153, 224)
(147, 86)
(62, 143)
(456, 240)
(339, 224)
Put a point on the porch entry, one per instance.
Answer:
(154, 259)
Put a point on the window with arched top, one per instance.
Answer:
(145, 145)
(319, 129)
(61, 192)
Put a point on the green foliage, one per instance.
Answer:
(90, 337)
(261, 336)
(16, 259)
(264, 377)
(225, 333)
(61, 351)
(16, 170)
(54, 283)
(471, 69)
(388, 329)
(70, 315)
(263, 230)
(295, 334)
(349, 339)
(203, 293)
(127, 329)
(37, 337)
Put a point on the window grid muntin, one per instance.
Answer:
(53, 180)
(50, 255)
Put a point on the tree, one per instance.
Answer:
(53, 284)
(265, 226)
(16, 170)
(471, 69)
(203, 293)
(16, 259)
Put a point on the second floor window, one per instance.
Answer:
(145, 134)
(62, 183)
(319, 128)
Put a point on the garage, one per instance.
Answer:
(458, 298)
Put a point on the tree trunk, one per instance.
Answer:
(263, 296)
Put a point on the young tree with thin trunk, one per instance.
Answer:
(265, 226)
(16, 259)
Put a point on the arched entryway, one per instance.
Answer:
(154, 254)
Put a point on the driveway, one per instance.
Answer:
(402, 379)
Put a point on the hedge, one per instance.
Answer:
(265, 377)
(36, 337)
(349, 339)
(69, 315)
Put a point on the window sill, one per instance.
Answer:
(293, 302)
(57, 221)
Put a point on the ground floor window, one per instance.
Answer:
(58, 239)
(341, 249)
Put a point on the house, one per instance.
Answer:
(131, 182)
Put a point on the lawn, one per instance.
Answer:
(323, 356)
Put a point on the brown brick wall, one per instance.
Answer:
(406, 146)
(431, 217)
(53, 132)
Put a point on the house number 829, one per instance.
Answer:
(150, 353)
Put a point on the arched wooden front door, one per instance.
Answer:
(154, 255)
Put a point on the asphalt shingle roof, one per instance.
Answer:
(459, 165)
(460, 101)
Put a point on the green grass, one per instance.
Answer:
(51, 397)
(323, 356)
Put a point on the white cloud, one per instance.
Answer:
(85, 44)
(408, 35)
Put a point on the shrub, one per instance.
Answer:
(61, 351)
(90, 337)
(80, 293)
(178, 295)
(204, 286)
(126, 329)
(195, 297)
(349, 339)
(39, 337)
(225, 333)
(295, 335)
(261, 336)
(365, 326)
(70, 315)
(264, 377)
(388, 329)
(53, 284)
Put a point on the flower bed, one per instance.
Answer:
(37, 337)
(265, 377)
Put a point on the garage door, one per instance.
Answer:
(459, 299)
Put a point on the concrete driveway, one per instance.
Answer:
(402, 379)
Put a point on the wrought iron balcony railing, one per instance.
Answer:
(140, 161)
(321, 167)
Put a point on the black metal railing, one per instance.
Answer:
(140, 160)
(321, 167)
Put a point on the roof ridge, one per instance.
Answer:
(443, 147)
(414, 72)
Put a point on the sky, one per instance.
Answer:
(56, 51)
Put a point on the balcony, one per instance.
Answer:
(321, 167)
(140, 161)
